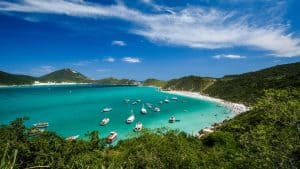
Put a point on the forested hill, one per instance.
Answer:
(64, 75)
(13, 79)
(249, 86)
(189, 83)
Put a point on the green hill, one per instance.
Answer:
(64, 75)
(248, 87)
(114, 81)
(189, 83)
(154, 82)
(12, 79)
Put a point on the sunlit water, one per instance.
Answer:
(77, 109)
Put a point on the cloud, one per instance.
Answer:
(118, 43)
(103, 70)
(131, 60)
(194, 27)
(229, 56)
(109, 59)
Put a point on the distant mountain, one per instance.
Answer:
(248, 87)
(154, 82)
(13, 79)
(64, 75)
(190, 83)
(111, 80)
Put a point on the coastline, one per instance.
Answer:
(43, 84)
(237, 108)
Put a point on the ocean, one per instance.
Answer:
(77, 109)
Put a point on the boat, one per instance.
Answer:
(130, 119)
(126, 100)
(157, 109)
(138, 126)
(149, 105)
(36, 131)
(71, 138)
(161, 102)
(172, 119)
(174, 98)
(143, 110)
(167, 101)
(134, 103)
(107, 109)
(112, 137)
(104, 121)
(41, 124)
(138, 100)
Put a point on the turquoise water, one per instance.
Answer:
(72, 110)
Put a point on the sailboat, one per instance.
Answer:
(143, 110)
(131, 118)
(104, 121)
(138, 126)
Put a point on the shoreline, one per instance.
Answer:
(237, 108)
(43, 84)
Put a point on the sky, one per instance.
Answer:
(140, 39)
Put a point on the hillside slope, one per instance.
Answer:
(189, 83)
(250, 86)
(115, 81)
(154, 82)
(64, 75)
(12, 79)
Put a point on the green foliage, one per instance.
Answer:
(64, 75)
(114, 81)
(190, 83)
(11, 79)
(154, 82)
(248, 87)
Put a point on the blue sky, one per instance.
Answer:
(139, 39)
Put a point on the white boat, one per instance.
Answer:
(130, 119)
(174, 98)
(138, 126)
(71, 138)
(112, 137)
(138, 100)
(172, 119)
(143, 110)
(126, 100)
(167, 101)
(104, 121)
(41, 124)
(107, 109)
(161, 102)
(157, 109)
(134, 103)
(149, 105)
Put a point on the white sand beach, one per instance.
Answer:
(235, 107)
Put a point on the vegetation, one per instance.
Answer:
(64, 75)
(268, 136)
(111, 80)
(12, 79)
(190, 83)
(250, 86)
(154, 82)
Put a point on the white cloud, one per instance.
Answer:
(118, 43)
(103, 70)
(194, 27)
(109, 59)
(131, 60)
(229, 56)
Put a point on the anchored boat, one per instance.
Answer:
(104, 121)
(138, 126)
(172, 119)
(41, 124)
(71, 138)
(112, 137)
(143, 110)
(107, 109)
